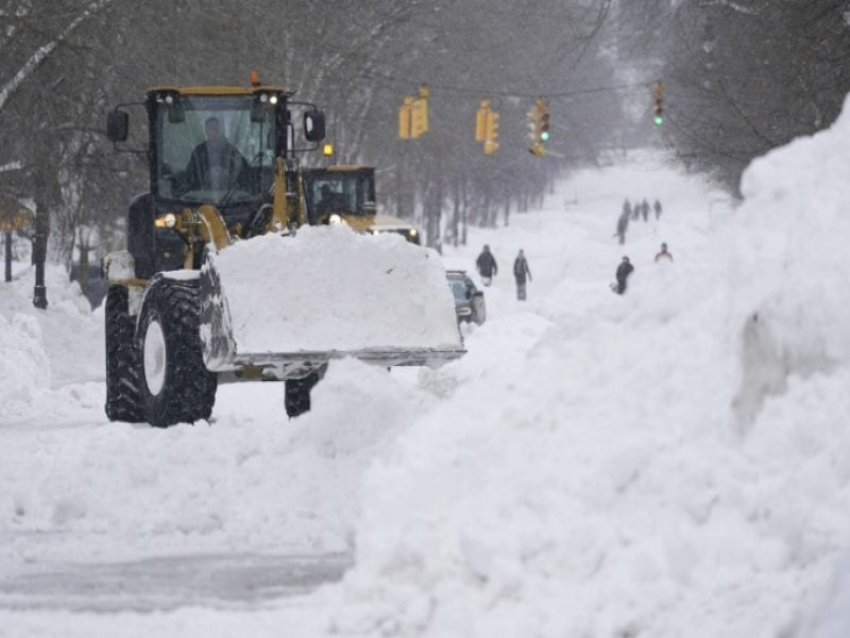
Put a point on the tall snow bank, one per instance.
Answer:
(791, 242)
(609, 490)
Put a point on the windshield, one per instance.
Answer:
(212, 153)
(459, 289)
(340, 192)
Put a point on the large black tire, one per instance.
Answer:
(297, 392)
(175, 385)
(123, 402)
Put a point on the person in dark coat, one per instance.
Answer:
(623, 225)
(657, 209)
(216, 164)
(623, 271)
(644, 210)
(486, 265)
(521, 272)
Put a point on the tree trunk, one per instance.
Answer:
(8, 255)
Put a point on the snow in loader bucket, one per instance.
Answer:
(290, 304)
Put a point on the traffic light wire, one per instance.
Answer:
(478, 92)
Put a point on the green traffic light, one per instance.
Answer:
(544, 136)
(659, 120)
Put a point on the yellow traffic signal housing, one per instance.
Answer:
(404, 116)
(481, 121)
(419, 113)
(491, 144)
(538, 119)
(419, 118)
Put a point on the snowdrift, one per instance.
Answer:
(673, 462)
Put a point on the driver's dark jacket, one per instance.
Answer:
(230, 159)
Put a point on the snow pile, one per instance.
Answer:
(24, 367)
(45, 351)
(638, 476)
(333, 289)
(793, 238)
(252, 479)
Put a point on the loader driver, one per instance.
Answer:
(216, 164)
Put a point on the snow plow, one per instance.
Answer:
(224, 279)
(346, 194)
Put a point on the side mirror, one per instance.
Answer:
(117, 126)
(314, 125)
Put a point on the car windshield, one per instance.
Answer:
(211, 152)
(459, 289)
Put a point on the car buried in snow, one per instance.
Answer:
(469, 301)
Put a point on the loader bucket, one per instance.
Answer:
(288, 305)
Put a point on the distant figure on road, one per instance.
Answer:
(521, 271)
(657, 209)
(486, 265)
(663, 254)
(623, 225)
(627, 208)
(636, 211)
(644, 210)
(623, 271)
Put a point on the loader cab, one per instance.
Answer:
(213, 153)
(215, 147)
(340, 194)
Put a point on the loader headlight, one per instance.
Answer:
(169, 220)
(335, 219)
(413, 232)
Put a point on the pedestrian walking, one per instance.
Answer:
(664, 254)
(644, 210)
(657, 209)
(636, 210)
(486, 265)
(623, 271)
(622, 226)
(521, 272)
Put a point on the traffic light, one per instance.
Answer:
(487, 127)
(491, 136)
(413, 115)
(404, 118)
(658, 108)
(538, 122)
(481, 120)
(419, 113)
